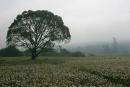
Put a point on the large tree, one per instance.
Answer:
(37, 30)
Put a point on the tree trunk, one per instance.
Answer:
(34, 54)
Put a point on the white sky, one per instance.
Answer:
(88, 20)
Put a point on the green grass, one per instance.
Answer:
(101, 71)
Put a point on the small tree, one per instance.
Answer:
(37, 30)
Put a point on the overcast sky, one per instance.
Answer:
(89, 20)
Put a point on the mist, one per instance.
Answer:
(89, 21)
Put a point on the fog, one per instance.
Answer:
(90, 21)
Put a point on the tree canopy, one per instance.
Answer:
(37, 30)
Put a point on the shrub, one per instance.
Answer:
(10, 51)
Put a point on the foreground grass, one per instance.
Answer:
(65, 72)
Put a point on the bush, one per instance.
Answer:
(10, 51)
(77, 54)
(53, 53)
(91, 54)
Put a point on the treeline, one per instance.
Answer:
(14, 52)
(120, 48)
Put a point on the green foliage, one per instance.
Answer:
(37, 30)
(10, 52)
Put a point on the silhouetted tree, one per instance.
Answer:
(37, 30)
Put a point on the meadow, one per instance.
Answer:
(100, 71)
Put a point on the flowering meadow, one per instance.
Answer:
(65, 72)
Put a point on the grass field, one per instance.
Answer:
(65, 72)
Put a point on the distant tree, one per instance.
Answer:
(37, 30)
(114, 45)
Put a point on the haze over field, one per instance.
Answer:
(89, 21)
